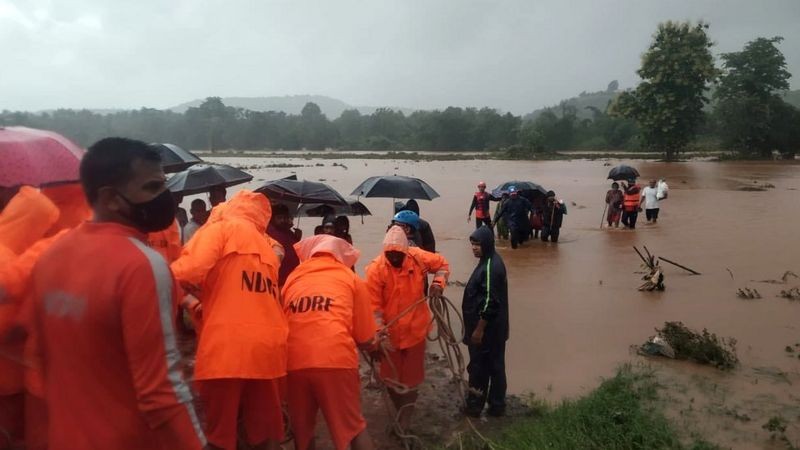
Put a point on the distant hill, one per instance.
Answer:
(793, 98)
(584, 100)
(290, 104)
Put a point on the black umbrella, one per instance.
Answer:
(174, 158)
(527, 189)
(301, 191)
(395, 186)
(623, 172)
(202, 177)
(353, 208)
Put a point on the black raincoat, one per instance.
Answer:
(486, 293)
(486, 297)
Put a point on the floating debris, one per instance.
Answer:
(654, 279)
(784, 278)
(791, 294)
(748, 293)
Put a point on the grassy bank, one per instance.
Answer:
(622, 413)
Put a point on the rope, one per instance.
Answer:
(442, 310)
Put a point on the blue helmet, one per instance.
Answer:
(407, 217)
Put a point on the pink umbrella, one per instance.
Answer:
(37, 157)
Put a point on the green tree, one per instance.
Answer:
(750, 110)
(668, 103)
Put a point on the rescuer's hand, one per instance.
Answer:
(435, 290)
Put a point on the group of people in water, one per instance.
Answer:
(97, 279)
(624, 202)
(519, 216)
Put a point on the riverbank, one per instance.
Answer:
(455, 156)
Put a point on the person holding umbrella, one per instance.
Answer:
(516, 212)
(631, 198)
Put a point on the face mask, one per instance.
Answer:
(154, 215)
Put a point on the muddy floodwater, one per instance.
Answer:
(575, 309)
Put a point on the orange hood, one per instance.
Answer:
(250, 206)
(395, 240)
(324, 243)
(72, 205)
(26, 219)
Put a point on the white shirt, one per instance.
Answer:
(663, 189)
(650, 197)
(189, 230)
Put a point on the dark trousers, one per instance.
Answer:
(629, 218)
(487, 375)
(652, 214)
(517, 236)
(487, 221)
(552, 233)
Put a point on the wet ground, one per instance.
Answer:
(575, 308)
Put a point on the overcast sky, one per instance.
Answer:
(511, 55)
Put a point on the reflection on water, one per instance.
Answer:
(575, 307)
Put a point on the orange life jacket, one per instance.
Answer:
(630, 202)
(482, 208)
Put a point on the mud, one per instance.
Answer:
(575, 305)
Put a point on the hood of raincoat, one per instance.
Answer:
(412, 205)
(72, 205)
(485, 237)
(395, 240)
(325, 243)
(26, 219)
(250, 206)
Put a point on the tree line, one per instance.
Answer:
(683, 99)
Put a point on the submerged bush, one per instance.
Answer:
(704, 347)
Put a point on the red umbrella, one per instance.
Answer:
(37, 157)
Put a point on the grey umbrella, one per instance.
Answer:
(174, 158)
(202, 177)
(395, 186)
(623, 172)
(301, 191)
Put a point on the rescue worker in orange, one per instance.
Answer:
(631, 197)
(103, 308)
(397, 279)
(167, 242)
(329, 309)
(241, 352)
(31, 212)
(25, 220)
(480, 204)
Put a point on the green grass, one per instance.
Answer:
(620, 414)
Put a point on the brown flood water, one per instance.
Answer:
(575, 310)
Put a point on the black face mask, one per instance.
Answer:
(154, 215)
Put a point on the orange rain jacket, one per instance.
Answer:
(104, 331)
(394, 289)
(24, 221)
(327, 305)
(167, 242)
(72, 206)
(231, 260)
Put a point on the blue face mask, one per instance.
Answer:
(153, 215)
